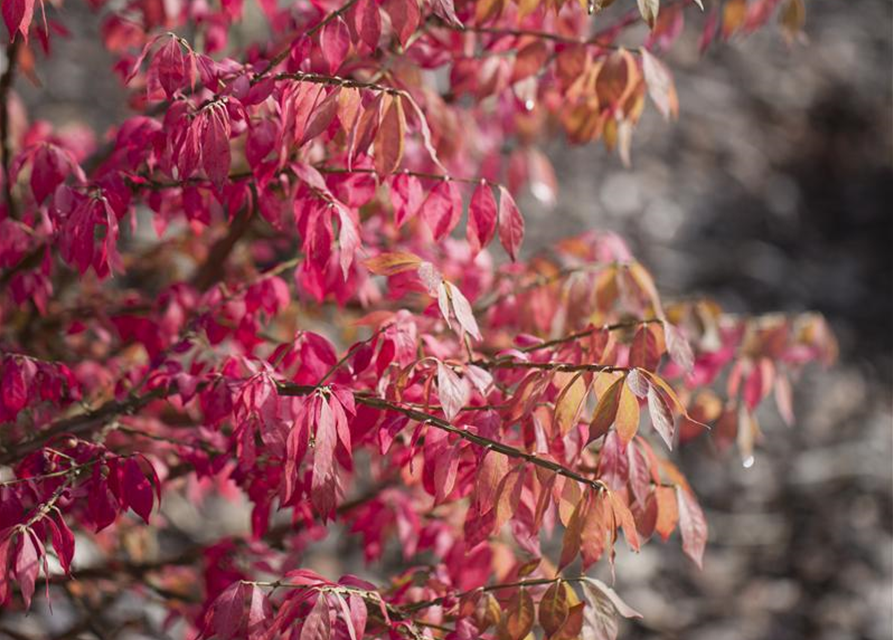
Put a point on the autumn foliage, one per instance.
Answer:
(278, 283)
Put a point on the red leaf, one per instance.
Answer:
(225, 614)
(170, 66)
(317, 625)
(511, 224)
(442, 208)
(102, 504)
(645, 351)
(323, 485)
(14, 388)
(18, 15)
(63, 543)
(481, 218)
(137, 489)
(404, 18)
(407, 197)
(215, 145)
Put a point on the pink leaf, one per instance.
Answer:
(462, 311)
(259, 611)
(692, 526)
(442, 208)
(511, 224)
(453, 391)
(28, 564)
(661, 418)
(7, 549)
(334, 40)
(368, 22)
(348, 238)
(225, 615)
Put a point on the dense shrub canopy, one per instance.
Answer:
(278, 283)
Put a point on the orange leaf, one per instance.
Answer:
(554, 607)
(624, 517)
(389, 139)
(667, 511)
(570, 545)
(627, 420)
(593, 539)
(606, 411)
(389, 264)
(519, 617)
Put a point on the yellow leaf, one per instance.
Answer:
(627, 420)
(569, 403)
(389, 139)
(649, 10)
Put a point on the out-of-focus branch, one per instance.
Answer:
(6, 81)
(212, 270)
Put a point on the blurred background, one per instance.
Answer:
(773, 192)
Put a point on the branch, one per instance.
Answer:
(82, 422)
(338, 81)
(288, 389)
(418, 174)
(564, 367)
(282, 55)
(538, 281)
(532, 582)
(211, 271)
(572, 337)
